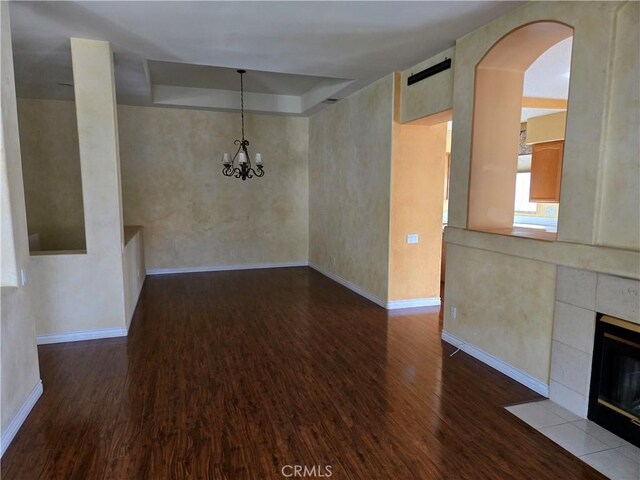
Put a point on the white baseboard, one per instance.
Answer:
(413, 303)
(224, 268)
(350, 285)
(14, 425)
(81, 335)
(503, 367)
(389, 305)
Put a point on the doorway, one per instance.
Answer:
(419, 193)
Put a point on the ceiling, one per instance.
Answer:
(205, 86)
(548, 76)
(205, 76)
(304, 51)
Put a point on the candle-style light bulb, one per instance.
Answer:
(258, 159)
(226, 159)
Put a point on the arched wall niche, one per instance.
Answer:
(499, 80)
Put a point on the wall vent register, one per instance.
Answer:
(429, 72)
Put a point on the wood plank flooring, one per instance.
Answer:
(234, 375)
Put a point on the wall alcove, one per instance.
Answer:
(499, 104)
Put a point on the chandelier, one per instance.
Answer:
(244, 169)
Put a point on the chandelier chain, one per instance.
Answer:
(242, 102)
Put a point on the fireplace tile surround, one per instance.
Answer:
(579, 295)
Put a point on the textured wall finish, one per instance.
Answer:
(504, 306)
(429, 96)
(173, 185)
(134, 269)
(51, 165)
(86, 291)
(619, 221)
(593, 25)
(500, 278)
(192, 215)
(349, 194)
(19, 356)
(614, 261)
(417, 190)
(10, 168)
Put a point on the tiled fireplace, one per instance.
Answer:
(581, 297)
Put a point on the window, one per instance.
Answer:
(522, 203)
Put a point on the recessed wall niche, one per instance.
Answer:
(498, 123)
(51, 171)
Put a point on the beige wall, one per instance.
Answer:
(173, 185)
(529, 263)
(9, 270)
(349, 194)
(588, 97)
(19, 371)
(417, 190)
(134, 269)
(51, 165)
(429, 96)
(504, 306)
(83, 292)
(192, 215)
(619, 220)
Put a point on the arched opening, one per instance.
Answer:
(520, 104)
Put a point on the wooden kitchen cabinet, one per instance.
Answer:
(546, 171)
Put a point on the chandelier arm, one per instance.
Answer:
(237, 142)
(233, 160)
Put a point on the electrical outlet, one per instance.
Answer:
(413, 238)
(23, 276)
(453, 312)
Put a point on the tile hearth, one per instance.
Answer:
(609, 454)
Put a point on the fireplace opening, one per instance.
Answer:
(614, 398)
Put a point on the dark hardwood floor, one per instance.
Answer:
(234, 375)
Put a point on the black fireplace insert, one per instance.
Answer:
(614, 397)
